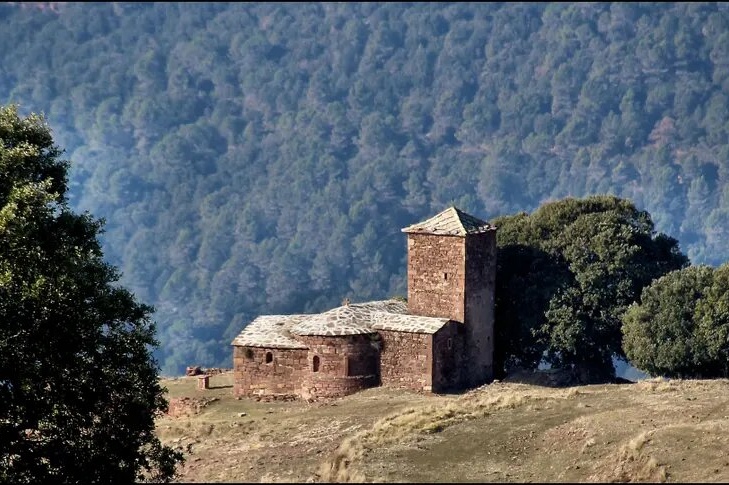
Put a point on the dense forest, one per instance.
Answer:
(258, 158)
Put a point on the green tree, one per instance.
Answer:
(373, 111)
(566, 274)
(680, 328)
(78, 385)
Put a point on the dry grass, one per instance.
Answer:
(631, 465)
(655, 431)
(404, 427)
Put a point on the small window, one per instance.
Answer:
(315, 363)
(445, 276)
(249, 354)
(449, 343)
(269, 357)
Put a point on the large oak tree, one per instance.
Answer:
(565, 276)
(79, 389)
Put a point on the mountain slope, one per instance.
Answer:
(261, 158)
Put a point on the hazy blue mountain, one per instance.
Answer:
(258, 158)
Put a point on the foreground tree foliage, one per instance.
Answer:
(565, 276)
(78, 385)
(680, 328)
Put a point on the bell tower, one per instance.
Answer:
(452, 274)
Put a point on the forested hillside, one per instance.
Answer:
(261, 157)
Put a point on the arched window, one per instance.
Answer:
(315, 363)
(269, 357)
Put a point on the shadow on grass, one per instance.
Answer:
(557, 378)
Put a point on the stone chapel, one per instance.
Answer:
(441, 339)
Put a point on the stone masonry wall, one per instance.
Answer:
(436, 276)
(253, 376)
(406, 360)
(479, 319)
(449, 358)
(346, 364)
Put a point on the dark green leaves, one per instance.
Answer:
(566, 274)
(226, 141)
(78, 385)
(681, 326)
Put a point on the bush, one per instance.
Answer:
(680, 327)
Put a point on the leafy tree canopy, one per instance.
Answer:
(680, 328)
(260, 157)
(566, 273)
(78, 385)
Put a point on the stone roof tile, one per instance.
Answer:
(270, 331)
(450, 222)
(350, 319)
(407, 323)
(280, 331)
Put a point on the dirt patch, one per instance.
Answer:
(188, 406)
(656, 430)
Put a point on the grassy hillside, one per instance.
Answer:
(655, 430)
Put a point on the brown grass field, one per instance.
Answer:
(651, 431)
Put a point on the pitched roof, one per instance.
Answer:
(280, 331)
(450, 222)
(407, 323)
(348, 319)
(270, 331)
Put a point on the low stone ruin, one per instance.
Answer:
(188, 406)
(192, 371)
(276, 397)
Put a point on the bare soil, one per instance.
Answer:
(655, 430)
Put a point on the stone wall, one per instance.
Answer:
(406, 360)
(479, 305)
(454, 277)
(449, 358)
(318, 386)
(344, 364)
(436, 276)
(253, 375)
(188, 406)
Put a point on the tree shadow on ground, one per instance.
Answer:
(556, 378)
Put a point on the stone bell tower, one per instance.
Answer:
(452, 274)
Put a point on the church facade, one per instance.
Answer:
(441, 339)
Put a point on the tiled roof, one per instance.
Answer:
(451, 222)
(407, 323)
(270, 331)
(280, 331)
(348, 319)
